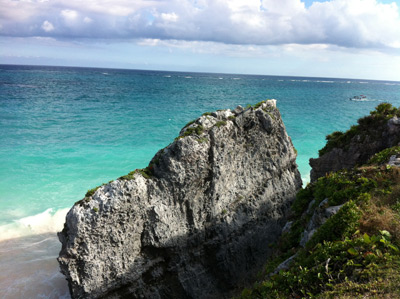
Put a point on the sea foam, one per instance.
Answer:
(45, 222)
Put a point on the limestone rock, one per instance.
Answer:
(196, 223)
(394, 160)
(321, 214)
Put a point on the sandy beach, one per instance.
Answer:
(29, 269)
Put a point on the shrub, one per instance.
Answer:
(384, 156)
(366, 125)
(303, 198)
(90, 192)
(190, 123)
(198, 130)
(339, 226)
(194, 130)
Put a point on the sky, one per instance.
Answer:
(337, 38)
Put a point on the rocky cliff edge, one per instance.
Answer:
(372, 134)
(196, 223)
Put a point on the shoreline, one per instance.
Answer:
(29, 269)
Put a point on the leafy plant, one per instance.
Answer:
(384, 156)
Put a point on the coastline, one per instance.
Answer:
(29, 269)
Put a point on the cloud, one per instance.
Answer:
(345, 23)
(47, 26)
(69, 15)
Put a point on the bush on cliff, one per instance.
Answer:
(366, 125)
(355, 253)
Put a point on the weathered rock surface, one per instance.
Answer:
(199, 226)
(359, 150)
(320, 215)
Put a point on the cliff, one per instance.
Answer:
(375, 132)
(196, 223)
(342, 239)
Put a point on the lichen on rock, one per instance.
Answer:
(200, 226)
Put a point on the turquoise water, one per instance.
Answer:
(66, 130)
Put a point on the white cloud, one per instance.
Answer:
(346, 23)
(47, 26)
(69, 15)
(169, 17)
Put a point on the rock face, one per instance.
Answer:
(358, 150)
(196, 223)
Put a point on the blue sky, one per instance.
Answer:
(336, 38)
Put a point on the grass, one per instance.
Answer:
(90, 192)
(354, 254)
(147, 173)
(384, 156)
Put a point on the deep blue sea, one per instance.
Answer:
(66, 130)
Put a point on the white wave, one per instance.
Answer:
(235, 78)
(365, 100)
(306, 179)
(362, 82)
(45, 222)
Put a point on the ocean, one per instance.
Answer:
(65, 130)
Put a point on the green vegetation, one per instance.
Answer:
(190, 123)
(202, 139)
(259, 104)
(384, 156)
(354, 254)
(232, 117)
(147, 173)
(207, 113)
(198, 130)
(90, 192)
(366, 125)
(220, 123)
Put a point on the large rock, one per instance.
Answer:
(199, 226)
